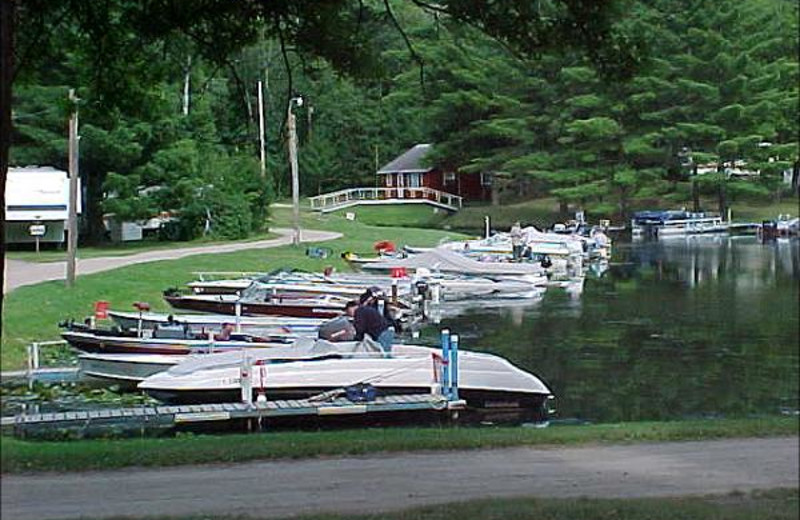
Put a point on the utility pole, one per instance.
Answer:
(72, 221)
(262, 143)
(292, 124)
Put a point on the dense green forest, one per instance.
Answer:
(174, 127)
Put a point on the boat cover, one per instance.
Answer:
(303, 349)
(445, 260)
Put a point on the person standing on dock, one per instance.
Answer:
(516, 241)
(369, 321)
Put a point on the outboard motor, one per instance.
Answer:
(337, 329)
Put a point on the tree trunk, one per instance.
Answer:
(7, 8)
(93, 216)
(723, 202)
(695, 197)
(623, 204)
(496, 194)
(795, 177)
(563, 208)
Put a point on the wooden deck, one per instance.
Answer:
(337, 200)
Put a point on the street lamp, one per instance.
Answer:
(292, 124)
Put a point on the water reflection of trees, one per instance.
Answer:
(649, 341)
(698, 259)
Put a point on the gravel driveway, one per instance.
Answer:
(19, 273)
(387, 482)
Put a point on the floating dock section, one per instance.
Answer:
(442, 399)
(161, 417)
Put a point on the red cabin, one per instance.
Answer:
(409, 171)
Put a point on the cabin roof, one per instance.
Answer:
(409, 161)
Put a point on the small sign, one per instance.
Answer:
(350, 215)
(37, 230)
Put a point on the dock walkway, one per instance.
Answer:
(169, 416)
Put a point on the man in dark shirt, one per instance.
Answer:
(368, 320)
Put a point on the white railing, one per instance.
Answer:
(395, 195)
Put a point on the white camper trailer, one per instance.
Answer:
(37, 204)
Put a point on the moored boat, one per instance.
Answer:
(663, 224)
(201, 322)
(121, 342)
(487, 382)
(227, 304)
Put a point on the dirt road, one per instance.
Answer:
(386, 482)
(19, 273)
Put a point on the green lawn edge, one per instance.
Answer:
(764, 504)
(22, 456)
(127, 248)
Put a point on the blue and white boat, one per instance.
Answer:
(675, 223)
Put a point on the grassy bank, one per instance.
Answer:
(32, 313)
(398, 215)
(545, 212)
(23, 456)
(774, 504)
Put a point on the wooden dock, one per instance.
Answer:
(169, 416)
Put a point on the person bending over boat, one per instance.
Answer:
(367, 320)
(225, 333)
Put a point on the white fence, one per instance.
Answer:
(353, 196)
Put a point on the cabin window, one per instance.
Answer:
(414, 180)
(389, 180)
(449, 177)
(486, 179)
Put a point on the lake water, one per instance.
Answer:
(697, 327)
(687, 327)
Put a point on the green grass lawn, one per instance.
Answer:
(773, 504)
(32, 313)
(400, 215)
(757, 212)
(124, 249)
(80, 455)
(539, 212)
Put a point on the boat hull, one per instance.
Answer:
(92, 343)
(486, 405)
(123, 369)
(222, 306)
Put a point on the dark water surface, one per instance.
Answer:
(679, 328)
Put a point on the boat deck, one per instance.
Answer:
(169, 416)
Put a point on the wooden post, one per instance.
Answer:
(72, 220)
(292, 123)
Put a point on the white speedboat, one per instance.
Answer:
(487, 382)
(445, 260)
(452, 287)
